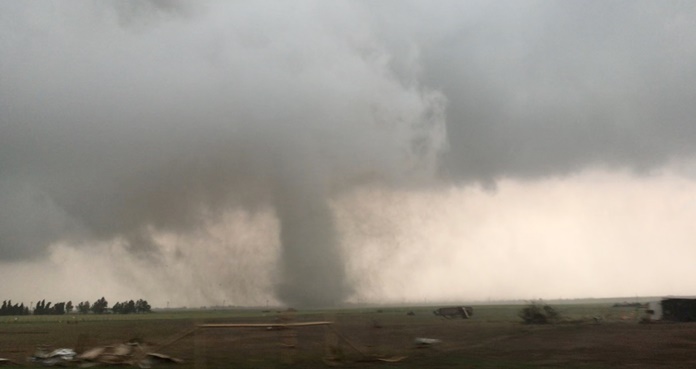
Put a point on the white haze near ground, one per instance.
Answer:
(457, 151)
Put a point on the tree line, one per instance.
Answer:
(100, 306)
(17, 309)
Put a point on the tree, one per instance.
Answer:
(39, 308)
(68, 307)
(117, 308)
(141, 306)
(17, 309)
(99, 306)
(83, 307)
(59, 308)
(130, 307)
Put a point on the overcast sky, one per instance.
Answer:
(311, 153)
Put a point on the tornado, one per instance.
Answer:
(312, 273)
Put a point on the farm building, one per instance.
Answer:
(672, 309)
(679, 309)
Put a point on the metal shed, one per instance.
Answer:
(679, 309)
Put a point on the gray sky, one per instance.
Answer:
(313, 152)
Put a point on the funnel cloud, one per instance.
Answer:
(312, 269)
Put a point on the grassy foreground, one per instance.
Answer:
(590, 336)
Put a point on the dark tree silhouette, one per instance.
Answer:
(100, 306)
(83, 307)
(141, 306)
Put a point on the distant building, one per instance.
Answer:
(654, 311)
(673, 309)
(679, 309)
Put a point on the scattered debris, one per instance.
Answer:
(155, 358)
(60, 356)
(426, 342)
(373, 359)
(4, 361)
(465, 312)
(132, 353)
(539, 314)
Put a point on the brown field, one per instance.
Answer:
(358, 338)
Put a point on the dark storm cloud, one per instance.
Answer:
(120, 119)
(547, 88)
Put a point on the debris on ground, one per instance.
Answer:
(153, 358)
(464, 312)
(61, 356)
(374, 359)
(131, 353)
(426, 342)
(8, 362)
(394, 359)
(124, 354)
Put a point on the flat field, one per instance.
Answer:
(357, 338)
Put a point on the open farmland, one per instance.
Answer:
(493, 338)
